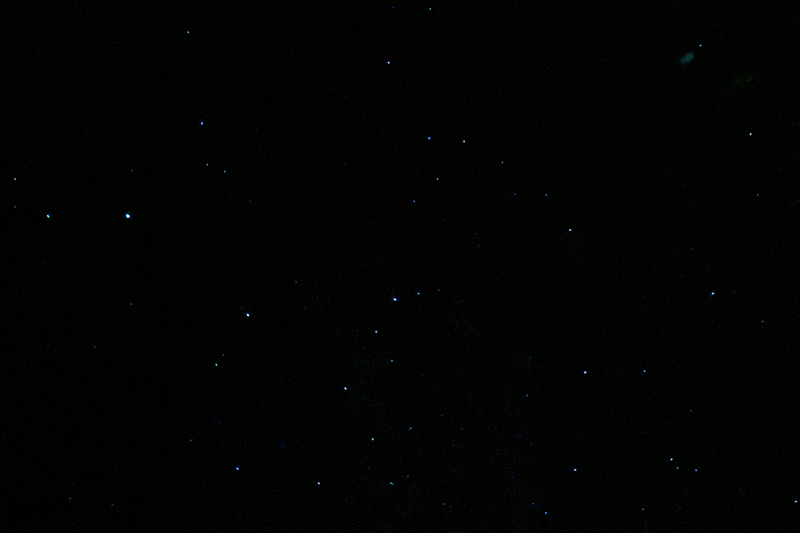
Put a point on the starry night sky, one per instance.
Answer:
(402, 268)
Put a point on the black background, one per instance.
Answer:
(593, 260)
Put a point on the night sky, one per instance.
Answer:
(402, 267)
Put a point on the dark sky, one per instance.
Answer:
(402, 268)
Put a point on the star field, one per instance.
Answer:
(400, 269)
